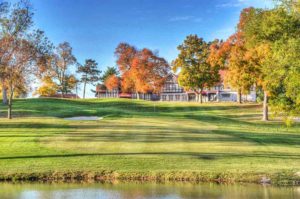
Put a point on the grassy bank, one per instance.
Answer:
(140, 140)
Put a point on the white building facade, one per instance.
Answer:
(172, 91)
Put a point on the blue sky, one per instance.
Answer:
(95, 27)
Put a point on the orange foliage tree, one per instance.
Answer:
(112, 82)
(149, 71)
(234, 56)
(142, 71)
(125, 55)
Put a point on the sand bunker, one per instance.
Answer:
(84, 118)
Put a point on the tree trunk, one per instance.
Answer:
(265, 107)
(4, 95)
(9, 115)
(239, 99)
(9, 111)
(137, 95)
(201, 98)
(84, 87)
(255, 90)
(76, 91)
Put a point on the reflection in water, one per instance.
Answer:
(145, 191)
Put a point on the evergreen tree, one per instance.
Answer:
(90, 73)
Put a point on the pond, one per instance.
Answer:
(145, 191)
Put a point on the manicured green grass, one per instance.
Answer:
(151, 140)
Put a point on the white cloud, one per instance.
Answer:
(181, 18)
(228, 4)
(186, 18)
(245, 3)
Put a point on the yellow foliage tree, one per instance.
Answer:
(48, 87)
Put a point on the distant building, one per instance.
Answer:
(172, 91)
(103, 92)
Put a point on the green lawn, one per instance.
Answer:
(146, 139)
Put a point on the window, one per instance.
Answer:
(171, 98)
(177, 97)
(225, 95)
(164, 98)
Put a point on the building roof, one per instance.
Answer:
(125, 95)
(101, 88)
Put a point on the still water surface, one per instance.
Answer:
(145, 191)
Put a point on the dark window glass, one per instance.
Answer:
(225, 95)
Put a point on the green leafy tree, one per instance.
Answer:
(277, 31)
(196, 72)
(90, 73)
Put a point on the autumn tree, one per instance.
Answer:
(149, 71)
(125, 54)
(21, 50)
(196, 72)
(277, 31)
(234, 56)
(90, 73)
(69, 84)
(60, 63)
(15, 20)
(48, 87)
(142, 71)
(20, 70)
(112, 82)
(240, 73)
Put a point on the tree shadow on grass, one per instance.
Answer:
(232, 120)
(33, 125)
(287, 139)
(203, 156)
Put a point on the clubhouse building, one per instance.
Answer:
(172, 91)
